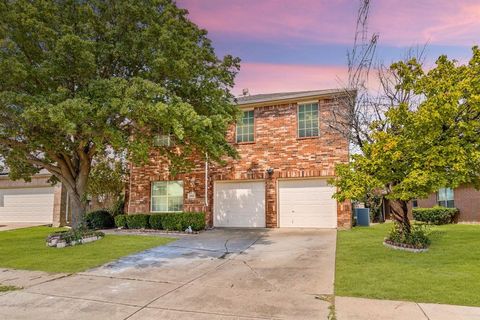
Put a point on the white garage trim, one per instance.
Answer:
(306, 203)
(27, 204)
(239, 204)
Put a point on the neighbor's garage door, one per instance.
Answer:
(239, 204)
(26, 205)
(307, 204)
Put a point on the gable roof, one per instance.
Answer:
(287, 96)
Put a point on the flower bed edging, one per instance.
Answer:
(404, 247)
(62, 240)
(154, 231)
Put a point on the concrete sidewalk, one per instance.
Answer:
(347, 308)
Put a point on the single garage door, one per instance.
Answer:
(307, 204)
(239, 204)
(27, 205)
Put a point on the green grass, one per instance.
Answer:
(448, 273)
(4, 288)
(26, 249)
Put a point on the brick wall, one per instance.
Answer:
(276, 146)
(467, 200)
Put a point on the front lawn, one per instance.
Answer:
(26, 249)
(448, 273)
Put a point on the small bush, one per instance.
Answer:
(120, 221)
(137, 221)
(178, 221)
(417, 238)
(182, 220)
(118, 206)
(194, 219)
(436, 215)
(99, 219)
(155, 221)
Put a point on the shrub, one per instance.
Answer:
(178, 221)
(155, 221)
(99, 219)
(118, 206)
(194, 219)
(417, 238)
(182, 220)
(435, 215)
(137, 221)
(120, 221)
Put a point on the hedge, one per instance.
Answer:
(178, 221)
(99, 219)
(120, 221)
(435, 215)
(137, 221)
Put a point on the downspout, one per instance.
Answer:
(129, 188)
(206, 181)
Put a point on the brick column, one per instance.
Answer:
(270, 202)
(59, 206)
(344, 214)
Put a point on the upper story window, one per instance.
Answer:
(445, 198)
(308, 120)
(245, 127)
(167, 196)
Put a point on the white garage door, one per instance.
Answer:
(307, 204)
(26, 205)
(239, 204)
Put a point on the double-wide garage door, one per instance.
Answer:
(27, 205)
(303, 203)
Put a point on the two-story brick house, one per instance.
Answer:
(287, 150)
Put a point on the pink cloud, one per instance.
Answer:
(274, 19)
(399, 22)
(444, 22)
(269, 78)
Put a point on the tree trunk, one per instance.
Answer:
(77, 210)
(399, 209)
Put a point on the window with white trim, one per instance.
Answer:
(308, 120)
(445, 198)
(245, 127)
(167, 196)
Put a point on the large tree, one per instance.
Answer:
(415, 150)
(82, 80)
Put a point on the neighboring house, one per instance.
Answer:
(287, 152)
(31, 202)
(465, 198)
(38, 202)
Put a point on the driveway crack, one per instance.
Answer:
(259, 275)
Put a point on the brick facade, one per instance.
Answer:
(276, 146)
(466, 199)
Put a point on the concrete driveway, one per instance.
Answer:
(219, 274)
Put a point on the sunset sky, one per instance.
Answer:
(289, 45)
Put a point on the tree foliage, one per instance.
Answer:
(418, 149)
(81, 79)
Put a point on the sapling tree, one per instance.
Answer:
(414, 151)
(81, 79)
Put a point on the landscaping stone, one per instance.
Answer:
(55, 241)
(403, 247)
